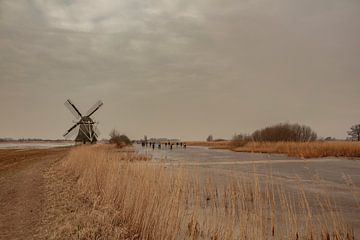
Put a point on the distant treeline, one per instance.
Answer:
(282, 132)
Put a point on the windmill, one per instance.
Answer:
(85, 127)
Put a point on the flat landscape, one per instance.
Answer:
(87, 192)
(180, 119)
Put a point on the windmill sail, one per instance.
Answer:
(71, 132)
(73, 109)
(96, 131)
(94, 108)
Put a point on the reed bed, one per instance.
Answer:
(157, 202)
(305, 149)
(226, 144)
(316, 149)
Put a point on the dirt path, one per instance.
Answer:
(22, 190)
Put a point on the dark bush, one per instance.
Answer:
(219, 140)
(285, 132)
(120, 140)
(240, 140)
(210, 138)
(354, 132)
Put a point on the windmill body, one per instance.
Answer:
(85, 127)
(86, 132)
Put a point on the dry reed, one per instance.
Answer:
(155, 202)
(211, 144)
(350, 149)
(305, 149)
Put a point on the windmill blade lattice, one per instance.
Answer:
(72, 131)
(73, 109)
(96, 131)
(94, 108)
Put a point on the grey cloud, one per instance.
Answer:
(181, 68)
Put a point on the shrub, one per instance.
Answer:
(240, 140)
(120, 140)
(285, 132)
(354, 132)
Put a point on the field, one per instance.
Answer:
(101, 192)
(297, 149)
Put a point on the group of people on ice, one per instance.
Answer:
(159, 145)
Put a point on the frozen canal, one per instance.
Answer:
(33, 145)
(335, 176)
(333, 170)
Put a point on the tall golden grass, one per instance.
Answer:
(157, 202)
(212, 144)
(315, 149)
(305, 149)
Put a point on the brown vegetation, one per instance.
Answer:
(354, 133)
(350, 149)
(305, 149)
(285, 138)
(284, 132)
(214, 144)
(139, 199)
(120, 140)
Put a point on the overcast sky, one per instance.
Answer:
(179, 68)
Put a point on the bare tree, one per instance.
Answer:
(354, 132)
(119, 139)
(210, 138)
